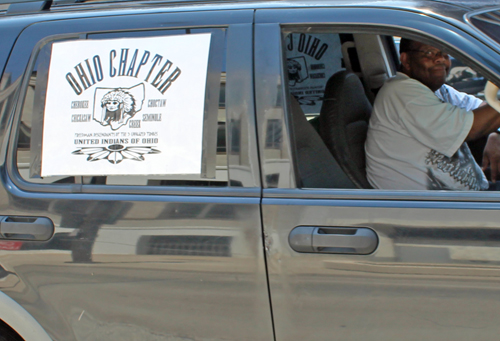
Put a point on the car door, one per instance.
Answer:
(351, 264)
(146, 254)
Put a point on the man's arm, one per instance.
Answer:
(486, 120)
(491, 152)
(491, 155)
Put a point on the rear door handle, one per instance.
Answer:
(26, 228)
(350, 240)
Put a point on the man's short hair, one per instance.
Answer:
(405, 45)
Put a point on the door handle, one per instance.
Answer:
(350, 240)
(26, 228)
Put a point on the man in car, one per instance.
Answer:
(419, 127)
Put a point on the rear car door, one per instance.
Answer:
(348, 263)
(172, 250)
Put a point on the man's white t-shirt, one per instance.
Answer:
(416, 138)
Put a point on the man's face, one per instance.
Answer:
(427, 65)
(292, 69)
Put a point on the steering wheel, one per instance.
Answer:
(490, 94)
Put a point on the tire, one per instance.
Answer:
(8, 334)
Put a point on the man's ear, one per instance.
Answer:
(405, 60)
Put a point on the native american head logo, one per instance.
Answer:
(115, 107)
(297, 70)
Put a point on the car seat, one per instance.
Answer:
(344, 117)
(315, 165)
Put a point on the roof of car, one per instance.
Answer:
(466, 4)
(451, 8)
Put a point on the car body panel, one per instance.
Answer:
(432, 275)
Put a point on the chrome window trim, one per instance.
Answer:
(231, 195)
(381, 195)
(129, 192)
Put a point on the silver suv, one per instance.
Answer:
(163, 176)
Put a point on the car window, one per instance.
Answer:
(110, 134)
(310, 60)
(329, 147)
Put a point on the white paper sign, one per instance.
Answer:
(125, 106)
(311, 60)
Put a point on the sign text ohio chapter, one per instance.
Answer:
(125, 106)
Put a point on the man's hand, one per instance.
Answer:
(491, 155)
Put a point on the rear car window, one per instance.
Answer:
(128, 108)
(488, 23)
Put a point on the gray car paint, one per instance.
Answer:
(433, 276)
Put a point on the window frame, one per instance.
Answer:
(271, 26)
(50, 31)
